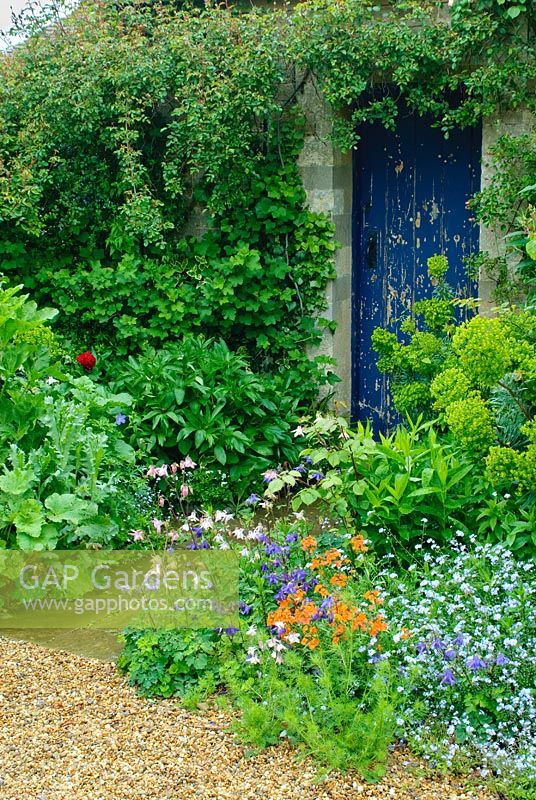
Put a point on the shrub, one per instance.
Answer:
(478, 377)
(198, 398)
(102, 229)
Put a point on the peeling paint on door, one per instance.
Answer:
(410, 190)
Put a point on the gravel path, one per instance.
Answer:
(71, 729)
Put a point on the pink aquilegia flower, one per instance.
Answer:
(137, 536)
(185, 491)
(157, 525)
(157, 472)
(187, 463)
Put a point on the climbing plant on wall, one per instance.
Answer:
(459, 61)
(121, 120)
(136, 117)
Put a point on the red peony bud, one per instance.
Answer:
(86, 360)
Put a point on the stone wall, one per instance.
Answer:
(327, 178)
(513, 123)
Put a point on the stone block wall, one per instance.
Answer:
(327, 178)
(513, 123)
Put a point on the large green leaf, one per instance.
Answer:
(17, 481)
(68, 508)
(531, 249)
(28, 517)
(125, 452)
(47, 540)
(220, 454)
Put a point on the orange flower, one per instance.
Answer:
(373, 597)
(377, 625)
(321, 590)
(305, 614)
(333, 558)
(310, 639)
(357, 543)
(406, 633)
(360, 622)
(339, 580)
(343, 612)
(309, 543)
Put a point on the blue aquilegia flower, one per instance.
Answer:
(475, 663)
(448, 678)
(270, 475)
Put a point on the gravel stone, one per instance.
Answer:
(72, 729)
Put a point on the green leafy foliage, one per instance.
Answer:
(407, 487)
(456, 67)
(198, 398)
(413, 487)
(170, 662)
(478, 377)
(506, 204)
(61, 449)
(343, 729)
(139, 117)
(170, 123)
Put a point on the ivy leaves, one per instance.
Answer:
(459, 66)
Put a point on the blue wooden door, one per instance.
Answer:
(411, 186)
